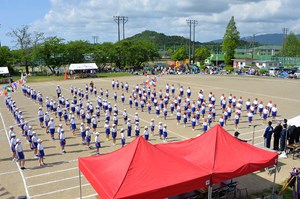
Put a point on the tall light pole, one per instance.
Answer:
(284, 30)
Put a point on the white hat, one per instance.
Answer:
(165, 125)
(11, 127)
(114, 124)
(136, 123)
(136, 113)
(129, 119)
(87, 127)
(62, 130)
(30, 127)
(122, 130)
(115, 113)
(82, 124)
(51, 118)
(39, 140)
(160, 122)
(18, 140)
(146, 127)
(106, 121)
(60, 125)
(33, 132)
(97, 133)
(124, 109)
(40, 107)
(152, 120)
(13, 135)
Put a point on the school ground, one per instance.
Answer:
(59, 178)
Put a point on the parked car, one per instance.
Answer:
(297, 73)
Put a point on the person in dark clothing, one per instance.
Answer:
(297, 134)
(277, 130)
(236, 135)
(282, 138)
(291, 132)
(268, 135)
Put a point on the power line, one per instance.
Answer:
(192, 23)
(119, 20)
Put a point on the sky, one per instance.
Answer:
(83, 19)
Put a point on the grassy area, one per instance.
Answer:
(114, 74)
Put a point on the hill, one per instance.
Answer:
(160, 39)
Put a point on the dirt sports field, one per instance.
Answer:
(59, 178)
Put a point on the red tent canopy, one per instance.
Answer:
(140, 170)
(224, 156)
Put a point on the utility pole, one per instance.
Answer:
(284, 30)
(191, 23)
(253, 43)
(119, 19)
(95, 38)
(0, 39)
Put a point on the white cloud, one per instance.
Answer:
(82, 19)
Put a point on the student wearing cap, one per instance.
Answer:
(107, 129)
(137, 129)
(165, 133)
(62, 140)
(88, 137)
(58, 91)
(40, 148)
(136, 117)
(205, 125)
(125, 116)
(114, 133)
(160, 130)
(34, 143)
(236, 135)
(21, 156)
(13, 142)
(94, 123)
(123, 137)
(97, 142)
(41, 117)
(11, 131)
(146, 133)
(129, 127)
(115, 119)
(73, 124)
(51, 126)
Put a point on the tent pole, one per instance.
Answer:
(273, 189)
(209, 192)
(80, 184)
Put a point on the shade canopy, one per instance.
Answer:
(140, 170)
(294, 121)
(83, 66)
(224, 156)
(4, 70)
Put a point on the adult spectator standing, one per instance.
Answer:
(283, 138)
(58, 91)
(277, 130)
(268, 135)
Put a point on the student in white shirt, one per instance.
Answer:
(21, 156)
(97, 142)
(40, 148)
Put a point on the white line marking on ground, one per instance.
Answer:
(21, 173)
(50, 182)
(5, 173)
(88, 196)
(60, 190)
(49, 173)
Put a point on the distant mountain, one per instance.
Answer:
(269, 39)
(161, 39)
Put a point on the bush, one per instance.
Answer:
(229, 68)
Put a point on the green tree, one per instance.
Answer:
(180, 54)
(102, 54)
(76, 51)
(230, 41)
(291, 47)
(201, 54)
(52, 53)
(5, 56)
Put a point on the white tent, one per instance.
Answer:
(4, 70)
(83, 66)
(294, 121)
